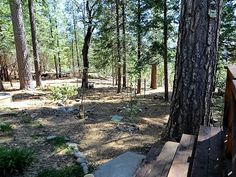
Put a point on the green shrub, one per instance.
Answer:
(69, 171)
(5, 127)
(132, 110)
(14, 161)
(58, 142)
(63, 93)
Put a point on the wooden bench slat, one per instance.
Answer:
(200, 162)
(161, 166)
(208, 159)
(180, 165)
(215, 167)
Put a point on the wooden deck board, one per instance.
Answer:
(181, 161)
(215, 167)
(200, 162)
(161, 165)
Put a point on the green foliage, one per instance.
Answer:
(69, 171)
(132, 110)
(14, 161)
(63, 93)
(5, 127)
(58, 142)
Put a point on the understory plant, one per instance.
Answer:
(13, 161)
(68, 171)
(5, 127)
(63, 93)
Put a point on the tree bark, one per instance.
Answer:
(195, 67)
(124, 42)
(75, 36)
(34, 44)
(165, 54)
(1, 85)
(154, 77)
(85, 51)
(72, 57)
(54, 56)
(22, 55)
(118, 47)
(139, 48)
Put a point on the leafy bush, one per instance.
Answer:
(69, 171)
(63, 93)
(132, 110)
(14, 161)
(5, 127)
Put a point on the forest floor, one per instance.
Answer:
(34, 116)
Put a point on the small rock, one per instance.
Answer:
(73, 146)
(81, 160)
(60, 104)
(85, 168)
(49, 138)
(79, 154)
(89, 175)
(34, 115)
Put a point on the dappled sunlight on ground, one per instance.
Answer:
(97, 135)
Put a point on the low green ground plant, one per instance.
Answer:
(13, 161)
(68, 171)
(63, 93)
(5, 127)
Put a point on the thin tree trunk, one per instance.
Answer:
(195, 67)
(85, 51)
(72, 57)
(124, 43)
(1, 85)
(54, 56)
(75, 36)
(118, 47)
(165, 55)
(58, 55)
(34, 44)
(139, 48)
(22, 55)
(154, 77)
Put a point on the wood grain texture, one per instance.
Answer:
(208, 159)
(181, 161)
(161, 165)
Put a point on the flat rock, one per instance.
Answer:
(49, 138)
(79, 154)
(124, 165)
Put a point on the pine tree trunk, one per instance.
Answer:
(72, 57)
(124, 43)
(154, 77)
(34, 44)
(54, 56)
(22, 55)
(1, 85)
(118, 47)
(85, 51)
(75, 36)
(139, 47)
(165, 54)
(195, 67)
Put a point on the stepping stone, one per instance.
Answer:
(5, 98)
(124, 165)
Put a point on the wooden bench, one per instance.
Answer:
(192, 157)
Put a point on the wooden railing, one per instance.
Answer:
(229, 121)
